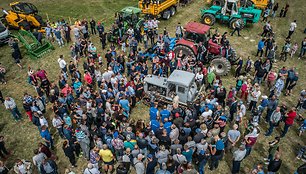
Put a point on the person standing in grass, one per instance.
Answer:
(46, 136)
(303, 48)
(10, 105)
(289, 120)
(69, 152)
(3, 151)
(238, 156)
(291, 29)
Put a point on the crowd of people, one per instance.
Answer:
(93, 99)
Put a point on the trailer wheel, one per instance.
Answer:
(166, 14)
(172, 11)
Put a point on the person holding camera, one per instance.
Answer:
(273, 149)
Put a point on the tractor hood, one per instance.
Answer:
(131, 10)
(250, 14)
(156, 80)
(195, 27)
(183, 78)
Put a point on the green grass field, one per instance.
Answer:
(23, 137)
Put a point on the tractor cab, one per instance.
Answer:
(129, 16)
(23, 8)
(196, 32)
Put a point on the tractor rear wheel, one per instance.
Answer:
(172, 11)
(186, 50)
(218, 2)
(222, 66)
(233, 23)
(208, 19)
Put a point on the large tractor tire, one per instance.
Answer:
(208, 19)
(233, 23)
(218, 2)
(186, 50)
(222, 66)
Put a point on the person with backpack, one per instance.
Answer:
(285, 51)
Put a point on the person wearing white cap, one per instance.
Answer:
(91, 170)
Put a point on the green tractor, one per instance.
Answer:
(126, 18)
(230, 14)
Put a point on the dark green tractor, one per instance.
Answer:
(126, 18)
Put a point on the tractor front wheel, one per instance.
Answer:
(222, 66)
(233, 23)
(208, 19)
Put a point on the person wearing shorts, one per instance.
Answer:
(107, 157)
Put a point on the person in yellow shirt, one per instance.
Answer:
(107, 157)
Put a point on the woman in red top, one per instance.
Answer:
(289, 120)
(88, 78)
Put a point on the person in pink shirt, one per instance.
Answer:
(88, 78)
(66, 90)
(244, 92)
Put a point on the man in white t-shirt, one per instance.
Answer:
(62, 63)
(291, 29)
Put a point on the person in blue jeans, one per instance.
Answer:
(203, 157)
(124, 103)
(260, 47)
(45, 134)
(10, 105)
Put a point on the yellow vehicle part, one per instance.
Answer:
(156, 8)
(262, 4)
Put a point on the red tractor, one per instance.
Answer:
(220, 56)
